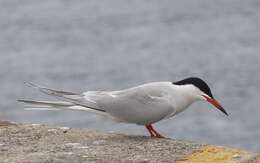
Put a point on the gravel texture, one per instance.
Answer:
(39, 143)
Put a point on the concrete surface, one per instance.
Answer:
(40, 143)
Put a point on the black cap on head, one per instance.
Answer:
(199, 83)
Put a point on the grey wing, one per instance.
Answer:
(75, 98)
(140, 106)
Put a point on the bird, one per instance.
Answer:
(144, 104)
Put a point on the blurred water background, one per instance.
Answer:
(107, 45)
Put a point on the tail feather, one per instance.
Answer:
(73, 98)
(53, 105)
(47, 103)
(60, 105)
(52, 91)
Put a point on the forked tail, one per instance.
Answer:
(69, 100)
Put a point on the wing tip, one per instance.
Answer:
(29, 84)
(20, 100)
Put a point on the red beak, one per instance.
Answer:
(216, 104)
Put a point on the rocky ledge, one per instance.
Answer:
(40, 143)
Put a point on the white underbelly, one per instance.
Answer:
(141, 116)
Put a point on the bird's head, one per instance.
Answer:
(203, 91)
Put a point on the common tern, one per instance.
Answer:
(145, 104)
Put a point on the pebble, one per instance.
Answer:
(236, 156)
(98, 142)
(72, 144)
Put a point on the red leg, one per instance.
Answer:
(156, 133)
(153, 132)
(150, 131)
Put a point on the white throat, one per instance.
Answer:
(184, 95)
